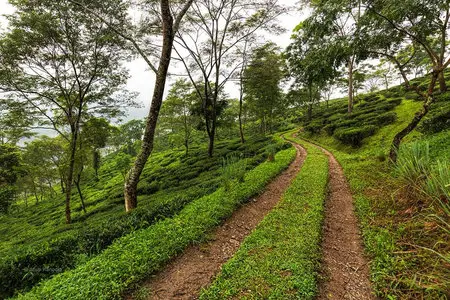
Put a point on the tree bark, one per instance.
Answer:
(212, 136)
(132, 180)
(69, 178)
(442, 83)
(241, 100)
(429, 99)
(350, 86)
(77, 183)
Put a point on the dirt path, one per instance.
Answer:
(345, 270)
(184, 277)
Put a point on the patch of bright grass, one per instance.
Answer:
(280, 259)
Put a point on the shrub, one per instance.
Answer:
(314, 127)
(384, 119)
(233, 168)
(436, 121)
(354, 136)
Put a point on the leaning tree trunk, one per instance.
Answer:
(429, 99)
(80, 193)
(132, 180)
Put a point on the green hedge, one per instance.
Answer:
(281, 258)
(135, 256)
(354, 136)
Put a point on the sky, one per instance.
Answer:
(142, 79)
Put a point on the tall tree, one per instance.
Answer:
(335, 27)
(65, 66)
(310, 64)
(262, 79)
(207, 46)
(392, 26)
(161, 19)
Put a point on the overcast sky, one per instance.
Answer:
(142, 80)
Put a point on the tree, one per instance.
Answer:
(95, 135)
(207, 46)
(334, 27)
(177, 113)
(262, 79)
(9, 172)
(45, 162)
(15, 123)
(311, 65)
(128, 135)
(64, 66)
(422, 24)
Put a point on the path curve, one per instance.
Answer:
(345, 270)
(187, 274)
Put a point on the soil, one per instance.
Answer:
(187, 274)
(345, 270)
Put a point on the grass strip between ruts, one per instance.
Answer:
(280, 259)
(139, 254)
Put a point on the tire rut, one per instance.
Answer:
(345, 270)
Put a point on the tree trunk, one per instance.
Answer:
(241, 130)
(386, 82)
(69, 178)
(429, 99)
(132, 180)
(77, 183)
(63, 190)
(442, 83)
(186, 146)
(212, 136)
(350, 86)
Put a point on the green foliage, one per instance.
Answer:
(10, 163)
(233, 168)
(7, 195)
(354, 136)
(414, 163)
(281, 257)
(367, 117)
(37, 244)
(262, 79)
(433, 179)
(437, 185)
(438, 119)
(135, 256)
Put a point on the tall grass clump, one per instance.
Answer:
(437, 185)
(233, 169)
(414, 164)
